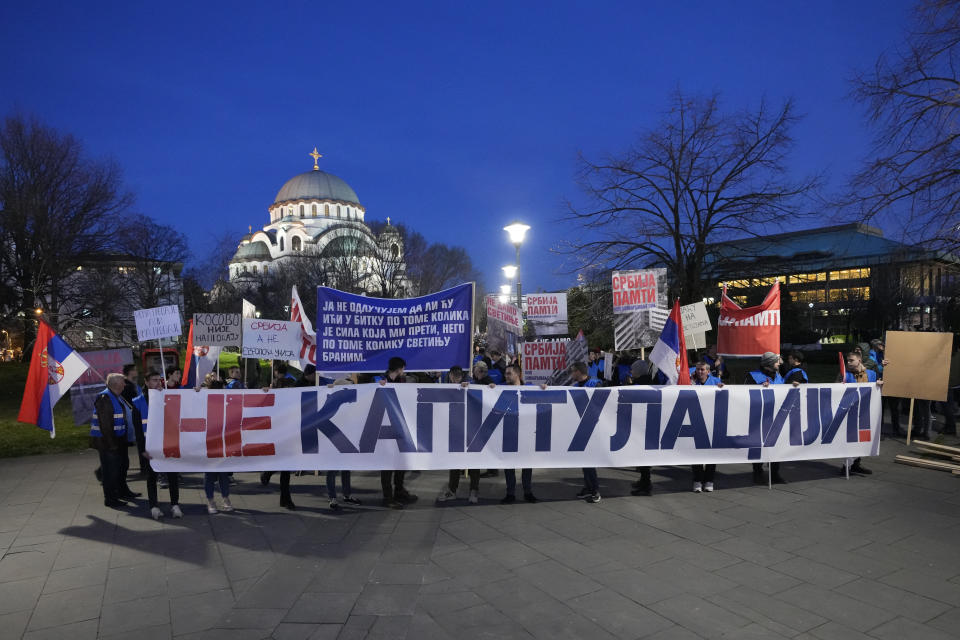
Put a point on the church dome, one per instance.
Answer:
(316, 185)
(251, 251)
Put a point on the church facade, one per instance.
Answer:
(318, 216)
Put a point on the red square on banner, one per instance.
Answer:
(864, 436)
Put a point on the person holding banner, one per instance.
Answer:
(233, 378)
(449, 491)
(591, 483)
(395, 496)
(174, 376)
(703, 474)
(767, 374)
(796, 373)
(153, 380)
(856, 371)
(514, 377)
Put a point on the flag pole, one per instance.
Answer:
(163, 366)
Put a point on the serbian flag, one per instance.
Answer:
(54, 367)
(752, 331)
(670, 352)
(308, 337)
(201, 360)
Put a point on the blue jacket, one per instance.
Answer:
(589, 382)
(803, 374)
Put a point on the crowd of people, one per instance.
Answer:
(121, 412)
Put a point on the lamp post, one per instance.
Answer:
(810, 304)
(517, 231)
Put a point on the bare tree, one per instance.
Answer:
(154, 256)
(56, 205)
(701, 176)
(912, 96)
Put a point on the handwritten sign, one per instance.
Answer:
(157, 322)
(216, 329)
(270, 339)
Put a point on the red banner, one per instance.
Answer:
(751, 331)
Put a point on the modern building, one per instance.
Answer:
(841, 276)
(318, 215)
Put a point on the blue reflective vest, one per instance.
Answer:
(233, 383)
(712, 380)
(871, 376)
(595, 368)
(760, 377)
(140, 402)
(803, 374)
(119, 417)
(589, 382)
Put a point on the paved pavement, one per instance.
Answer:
(819, 558)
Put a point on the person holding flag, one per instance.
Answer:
(670, 352)
(54, 367)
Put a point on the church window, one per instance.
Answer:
(326, 210)
(254, 268)
(301, 211)
(281, 244)
(338, 211)
(394, 251)
(295, 244)
(314, 208)
(266, 269)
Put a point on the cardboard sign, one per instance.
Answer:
(216, 329)
(919, 365)
(158, 322)
(695, 318)
(547, 313)
(270, 339)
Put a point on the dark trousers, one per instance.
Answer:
(173, 482)
(332, 484)
(893, 405)
(454, 481)
(124, 468)
(590, 480)
(526, 477)
(703, 472)
(111, 465)
(392, 483)
(774, 468)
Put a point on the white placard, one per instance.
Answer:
(157, 322)
(695, 319)
(216, 329)
(547, 312)
(270, 339)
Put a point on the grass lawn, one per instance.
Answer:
(18, 439)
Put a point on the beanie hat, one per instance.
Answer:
(769, 360)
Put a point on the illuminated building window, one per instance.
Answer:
(314, 209)
(326, 210)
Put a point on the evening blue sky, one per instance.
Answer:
(454, 118)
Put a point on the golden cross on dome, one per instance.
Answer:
(388, 221)
(316, 156)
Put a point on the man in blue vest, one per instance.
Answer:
(795, 372)
(112, 415)
(233, 378)
(591, 484)
(767, 374)
(395, 495)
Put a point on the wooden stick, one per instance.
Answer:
(934, 452)
(910, 421)
(934, 445)
(929, 464)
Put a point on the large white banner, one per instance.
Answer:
(411, 426)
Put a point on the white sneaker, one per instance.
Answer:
(446, 494)
(697, 487)
(211, 507)
(155, 513)
(175, 511)
(474, 497)
(708, 487)
(226, 507)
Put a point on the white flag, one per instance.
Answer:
(308, 337)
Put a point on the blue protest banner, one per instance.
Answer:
(361, 334)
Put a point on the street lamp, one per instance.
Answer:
(505, 289)
(810, 304)
(510, 271)
(517, 231)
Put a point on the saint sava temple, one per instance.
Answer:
(318, 214)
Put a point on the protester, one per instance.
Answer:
(211, 480)
(595, 364)
(856, 371)
(395, 495)
(717, 365)
(153, 380)
(703, 474)
(233, 378)
(498, 367)
(286, 501)
(591, 484)
(112, 417)
(796, 372)
(767, 374)
(280, 372)
(449, 491)
(514, 377)
(174, 377)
